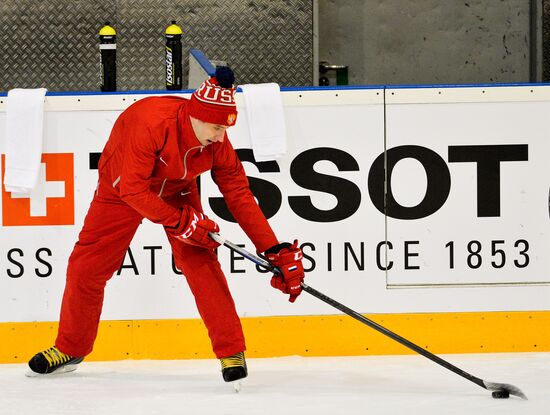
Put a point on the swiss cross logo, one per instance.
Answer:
(52, 200)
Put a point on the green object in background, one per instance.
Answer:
(342, 76)
(340, 70)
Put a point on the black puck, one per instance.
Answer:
(502, 394)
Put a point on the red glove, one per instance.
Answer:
(288, 258)
(193, 228)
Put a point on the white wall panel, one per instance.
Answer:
(335, 140)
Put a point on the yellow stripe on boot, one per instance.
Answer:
(234, 367)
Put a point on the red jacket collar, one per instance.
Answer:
(189, 139)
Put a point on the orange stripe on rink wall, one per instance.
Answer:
(332, 335)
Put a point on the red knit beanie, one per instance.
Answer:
(214, 100)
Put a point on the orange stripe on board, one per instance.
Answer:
(334, 335)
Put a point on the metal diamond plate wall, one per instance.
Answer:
(54, 43)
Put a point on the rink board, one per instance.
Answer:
(466, 230)
(327, 335)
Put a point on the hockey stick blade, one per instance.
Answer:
(511, 389)
(491, 386)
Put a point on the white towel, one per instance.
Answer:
(24, 137)
(266, 121)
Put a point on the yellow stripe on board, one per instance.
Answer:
(332, 335)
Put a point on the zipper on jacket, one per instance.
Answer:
(185, 160)
(162, 187)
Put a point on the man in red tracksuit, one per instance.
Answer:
(148, 169)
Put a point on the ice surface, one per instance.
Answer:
(291, 385)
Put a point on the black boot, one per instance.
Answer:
(53, 360)
(234, 367)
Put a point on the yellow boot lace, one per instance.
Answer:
(55, 357)
(233, 361)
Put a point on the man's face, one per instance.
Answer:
(208, 133)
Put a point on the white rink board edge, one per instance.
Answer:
(165, 295)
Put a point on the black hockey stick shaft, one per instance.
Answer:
(492, 386)
(381, 329)
(310, 290)
(392, 335)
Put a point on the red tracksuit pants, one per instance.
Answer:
(108, 229)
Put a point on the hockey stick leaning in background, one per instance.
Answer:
(500, 390)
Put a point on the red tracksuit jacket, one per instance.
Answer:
(153, 155)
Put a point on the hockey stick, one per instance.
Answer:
(500, 390)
